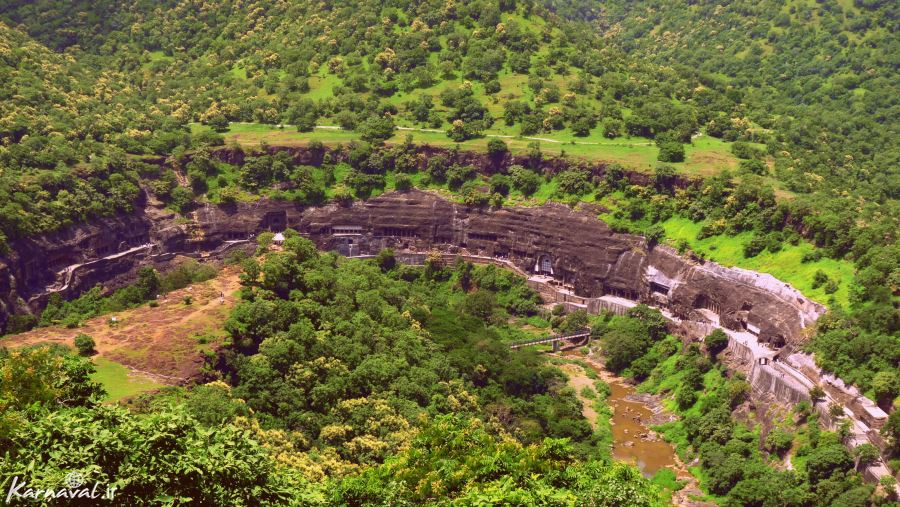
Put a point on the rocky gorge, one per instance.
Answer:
(570, 256)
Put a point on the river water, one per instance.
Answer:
(633, 440)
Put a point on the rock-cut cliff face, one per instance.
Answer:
(573, 248)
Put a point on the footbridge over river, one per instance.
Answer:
(582, 336)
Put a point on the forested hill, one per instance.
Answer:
(124, 78)
(821, 75)
(796, 100)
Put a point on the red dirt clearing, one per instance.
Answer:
(166, 342)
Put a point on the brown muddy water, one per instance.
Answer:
(633, 440)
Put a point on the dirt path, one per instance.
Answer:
(579, 380)
(166, 342)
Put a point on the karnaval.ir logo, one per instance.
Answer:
(74, 485)
(74, 480)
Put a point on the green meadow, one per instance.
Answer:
(119, 382)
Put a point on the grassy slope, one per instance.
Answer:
(119, 382)
(785, 265)
(705, 157)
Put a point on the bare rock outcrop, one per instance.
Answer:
(573, 248)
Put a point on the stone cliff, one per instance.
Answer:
(576, 250)
(572, 248)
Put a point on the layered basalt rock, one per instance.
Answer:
(572, 247)
(38, 266)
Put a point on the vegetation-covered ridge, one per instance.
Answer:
(794, 98)
(821, 75)
(736, 221)
(140, 73)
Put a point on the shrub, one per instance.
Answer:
(773, 241)
(803, 410)
(753, 247)
(744, 150)
(835, 410)
(716, 342)
(264, 240)
(811, 256)
(457, 175)
(685, 397)
(524, 180)
(816, 394)
(85, 345)
(186, 273)
(779, 441)
(654, 234)
(497, 147)
(671, 151)
(499, 184)
(376, 128)
(386, 259)
(20, 323)
(819, 279)
(402, 182)
(866, 454)
(613, 128)
(573, 182)
(754, 166)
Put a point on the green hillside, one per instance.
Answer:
(761, 134)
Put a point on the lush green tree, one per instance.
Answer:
(537, 474)
(827, 460)
(573, 182)
(402, 182)
(866, 454)
(671, 151)
(816, 394)
(85, 345)
(386, 259)
(376, 128)
(716, 342)
(885, 386)
(891, 430)
(779, 441)
(524, 180)
(497, 147)
(480, 304)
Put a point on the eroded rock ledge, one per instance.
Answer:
(574, 249)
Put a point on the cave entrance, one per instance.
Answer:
(275, 221)
(659, 288)
(544, 265)
(705, 303)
